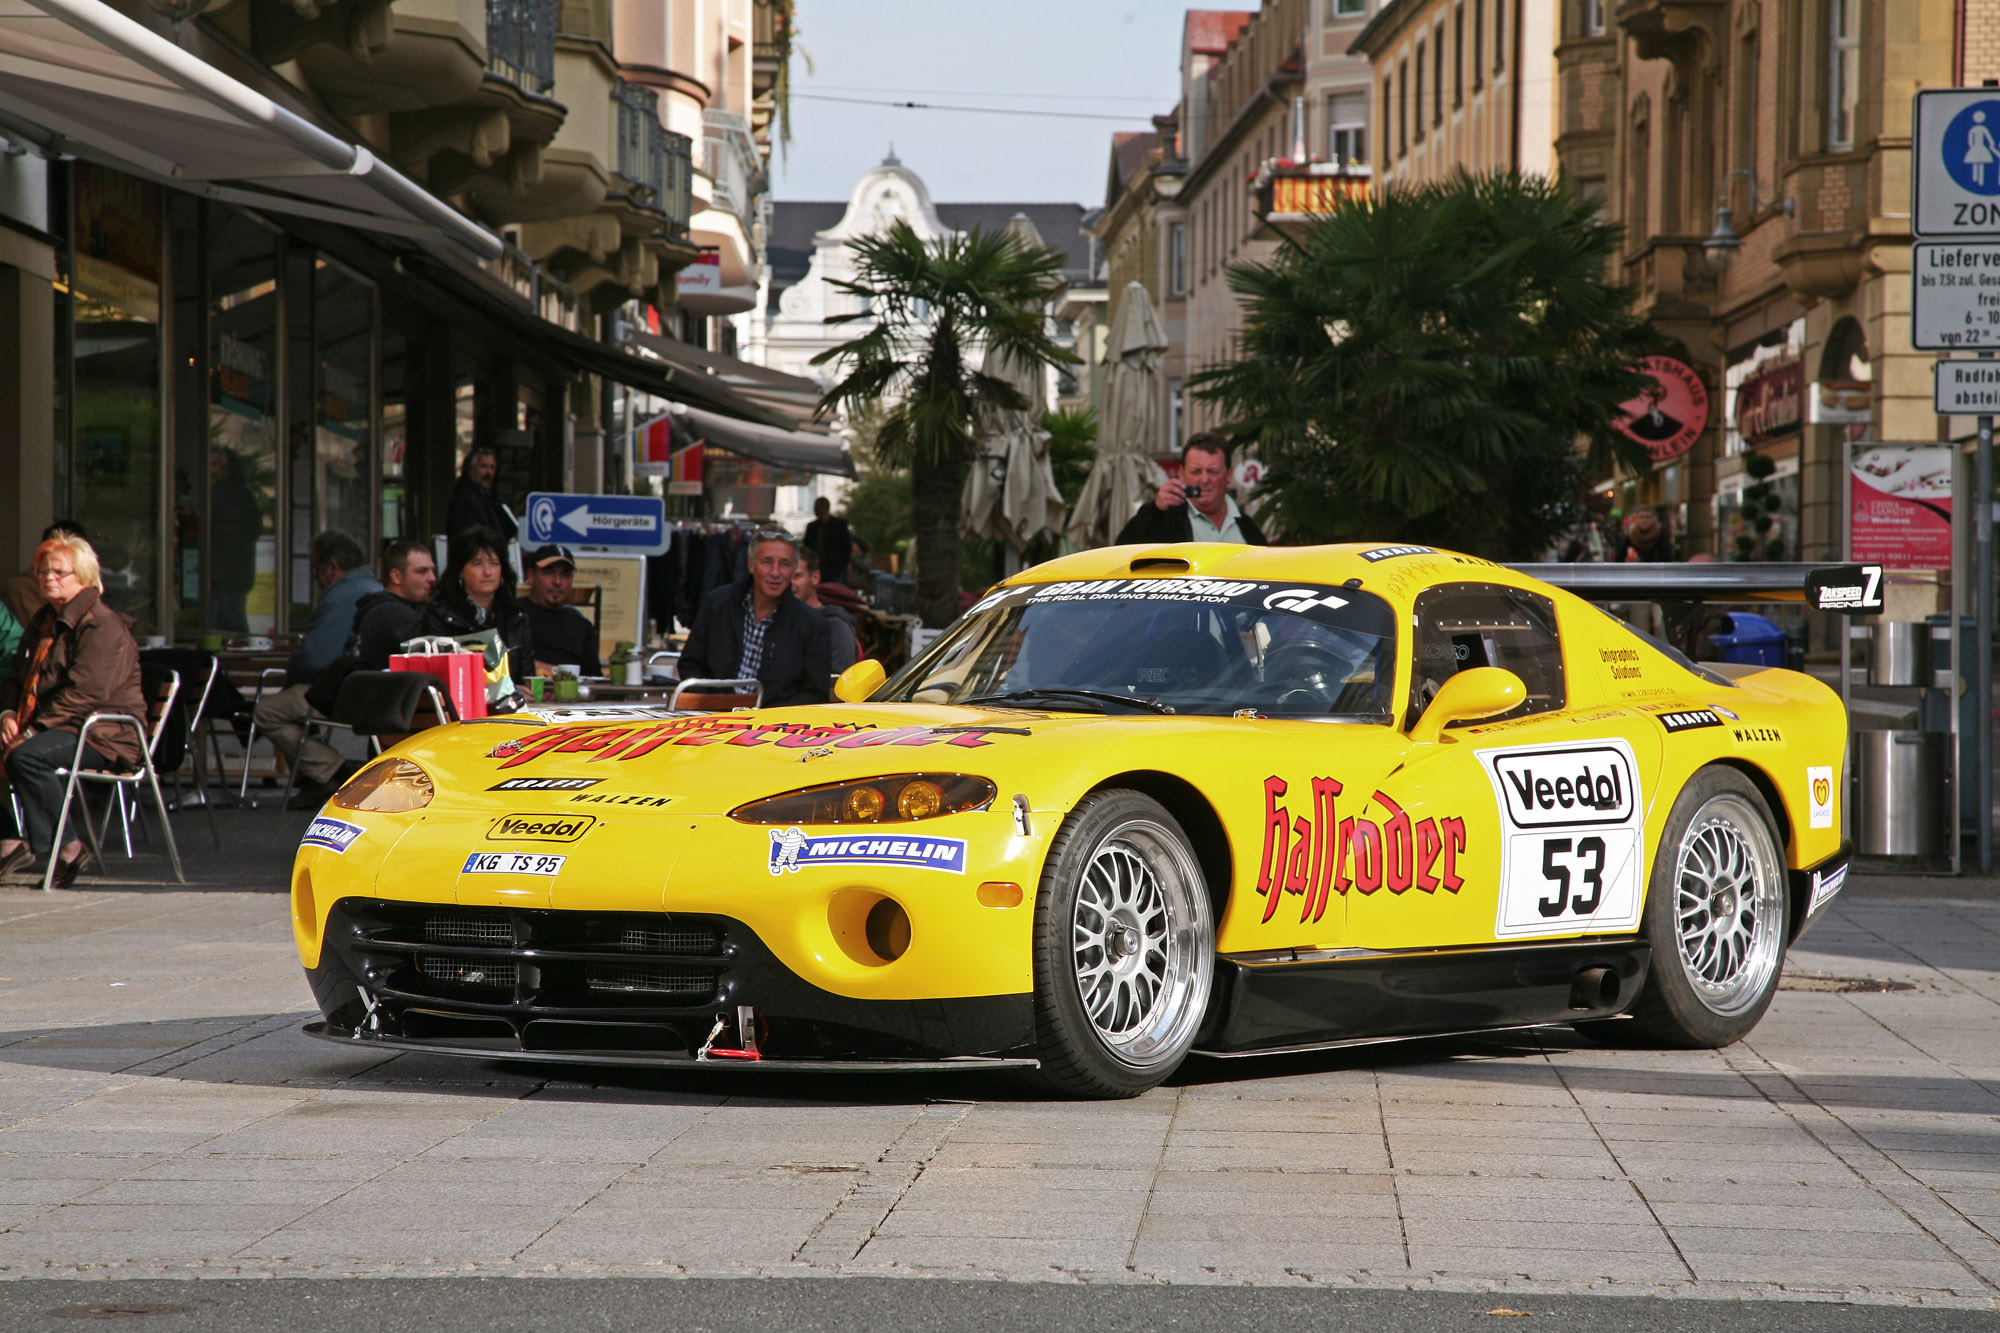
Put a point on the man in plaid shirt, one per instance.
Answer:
(757, 628)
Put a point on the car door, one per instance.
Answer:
(1522, 826)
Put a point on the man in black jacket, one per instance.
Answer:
(385, 621)
(1196, 505)
(473, 502)
(757, 627)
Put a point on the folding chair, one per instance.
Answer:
(197, 726)
(163, 687)
(718, 696)
(376, 704)
(269, 681)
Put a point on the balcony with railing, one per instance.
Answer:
(642, 151)
(733, 163)
(521, 42)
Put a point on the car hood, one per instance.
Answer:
(709, 763)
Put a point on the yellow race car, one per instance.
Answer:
(1138, 803)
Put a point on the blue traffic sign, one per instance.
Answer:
(1971, 147)
(636, 524)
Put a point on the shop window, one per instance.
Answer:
(242, 424)
(343, 401)
(115, 456)
(399, 515)
(1464, 625)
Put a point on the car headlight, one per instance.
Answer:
(389, 787)
(900, 799)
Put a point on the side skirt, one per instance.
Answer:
(1268, 1003)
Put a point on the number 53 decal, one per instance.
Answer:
(1572, 837)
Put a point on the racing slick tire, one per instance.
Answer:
(1715, 916)
(1124, 948)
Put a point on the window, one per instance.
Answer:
(1499, 35)
(1419, 135)
(1175, 403)
(1479, 44)
(1464, 625)
(1458, 56)
(1403, 106)
(1345, 9)
(1347, 128)
(1593, 18)
(1177, 259)
(1437, 82)
(1388, 113)
(1843, 33)
(1745, 153)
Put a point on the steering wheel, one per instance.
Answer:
(1305, 674)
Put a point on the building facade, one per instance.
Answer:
(284, 266)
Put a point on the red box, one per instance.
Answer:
(463, 674)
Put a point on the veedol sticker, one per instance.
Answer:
(512, 863)
(1572, 839)
(336, 835)
(793, 849)
(539, 828)
(1819, 797)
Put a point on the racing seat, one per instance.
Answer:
(718, 696)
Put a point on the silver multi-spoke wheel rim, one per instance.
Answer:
(1137, 938)
(1729, 905)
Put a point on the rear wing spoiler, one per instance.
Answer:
(1844, 589)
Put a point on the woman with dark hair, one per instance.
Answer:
(476, 593)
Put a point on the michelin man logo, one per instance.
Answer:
(786, 844)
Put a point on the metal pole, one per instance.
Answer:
(1982, 637)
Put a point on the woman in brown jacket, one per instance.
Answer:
(77, 658)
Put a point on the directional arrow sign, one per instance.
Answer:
(632, 523)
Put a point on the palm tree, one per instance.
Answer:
(1421, 367)
(933, 310)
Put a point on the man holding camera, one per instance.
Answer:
(1196, 505)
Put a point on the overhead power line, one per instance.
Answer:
(976, 110)
(980, 92)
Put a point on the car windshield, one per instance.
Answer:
(1181, 645)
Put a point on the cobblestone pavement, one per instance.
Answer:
(161, 1115)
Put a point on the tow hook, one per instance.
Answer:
(746, 1037)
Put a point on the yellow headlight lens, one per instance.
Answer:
(885, 800)
(389, 787)
(918, 799)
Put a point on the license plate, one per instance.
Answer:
(512, 863)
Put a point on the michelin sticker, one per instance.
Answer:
(1826, 883)
(1819, 796)
(1572, 838)
(335, 835)
(793, 849)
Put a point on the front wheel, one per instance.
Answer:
(1124, 948)
(1715, 916)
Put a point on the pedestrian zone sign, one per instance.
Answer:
(633, 524)
(1957, 167)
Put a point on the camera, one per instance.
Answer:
(1191, 492)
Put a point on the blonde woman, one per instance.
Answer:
(77, 658)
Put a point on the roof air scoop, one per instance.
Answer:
(1160, 564)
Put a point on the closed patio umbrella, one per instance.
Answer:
(1010, 492)
(1129, 431)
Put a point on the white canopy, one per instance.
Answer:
(1010, 492)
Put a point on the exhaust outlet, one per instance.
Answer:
(1594, 988)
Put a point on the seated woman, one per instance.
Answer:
(77, 658)
(475, 593)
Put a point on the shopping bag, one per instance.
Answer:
(463, 673)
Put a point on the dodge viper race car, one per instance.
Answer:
(1138, 803)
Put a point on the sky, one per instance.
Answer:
(1117, 59)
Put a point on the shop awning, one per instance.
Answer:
(665, 379)
(793, 396)
(79, 78)
(793, 450)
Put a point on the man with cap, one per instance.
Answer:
(563, 635)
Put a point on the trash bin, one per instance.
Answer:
(1748, 639)
(1899, 653)
(1902, 793)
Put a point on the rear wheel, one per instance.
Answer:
(1124, 948)
(1715, 916)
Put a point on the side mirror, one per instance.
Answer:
(1476, 692)
(855, 684)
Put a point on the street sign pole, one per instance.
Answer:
(1982, 636)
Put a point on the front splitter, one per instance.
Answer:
(655, 1060)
